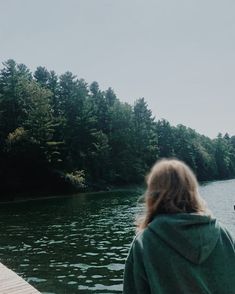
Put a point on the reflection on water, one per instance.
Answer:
(79, 244)
(70, 245)
(220, 197)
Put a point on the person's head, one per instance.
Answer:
(171, 188)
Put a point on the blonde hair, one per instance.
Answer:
(171, 188)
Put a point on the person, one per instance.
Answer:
(180, 247)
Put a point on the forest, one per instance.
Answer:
(59, 134)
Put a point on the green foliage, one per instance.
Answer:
(18, 135)
(77, 178)
(62, 124)
(224, 155)
(145, 147)
(12, 107)
(42, 76)
(166, 136)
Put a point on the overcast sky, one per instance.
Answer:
(178, 54)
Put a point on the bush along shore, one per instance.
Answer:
(58, 134)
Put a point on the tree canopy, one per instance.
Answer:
(59, 129)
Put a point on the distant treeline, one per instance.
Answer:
(58, 133)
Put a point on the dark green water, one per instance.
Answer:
(78, 244)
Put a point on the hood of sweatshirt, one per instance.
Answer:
(193, 236)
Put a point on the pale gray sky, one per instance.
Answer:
(178, 54)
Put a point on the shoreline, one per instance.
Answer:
(18, 199)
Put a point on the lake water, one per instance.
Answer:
(78, 244)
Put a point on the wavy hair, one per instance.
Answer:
(172, 188)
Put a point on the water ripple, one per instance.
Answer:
(79, 244)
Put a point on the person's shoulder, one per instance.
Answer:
(135, 247)
(225, 232)
(141, 237)
(225, 237)
(138, 237)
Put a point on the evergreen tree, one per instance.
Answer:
(145, 136)
(42, 76)
(13, 78)
(61, 124)
(121, 143)
(165, 133)
(224, 156)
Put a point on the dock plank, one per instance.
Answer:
(11, 283)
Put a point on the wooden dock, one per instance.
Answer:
(11, 283)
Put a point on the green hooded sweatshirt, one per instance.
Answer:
(181, 254)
